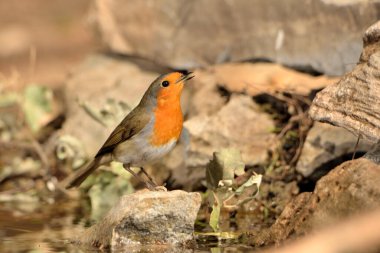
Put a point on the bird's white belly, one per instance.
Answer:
(137, 151)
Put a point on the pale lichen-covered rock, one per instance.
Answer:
(188, 34)
(146, 218)
(354, 102)
(326, 145)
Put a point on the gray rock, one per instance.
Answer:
(324, 143)
(146, 218)
(374, 154)
(186, 34)
(206, 96)
(351, 188)
(239, 124)
(354, 102)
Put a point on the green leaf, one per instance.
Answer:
(253, 180)
(224, 166)
(216, 250)
(214, 217)
(9, 98)
(106, 191)
(118, 169)
(229, 235)
(71, 149)
(37, 106)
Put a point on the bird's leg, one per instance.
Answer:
(147, 175)
(149, 185)
(156, 187)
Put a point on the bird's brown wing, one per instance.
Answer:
(132, 124)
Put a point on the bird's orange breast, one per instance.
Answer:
(168, 121)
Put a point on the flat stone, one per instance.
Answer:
(257, 78)
(354, 102)
(146, 218)
(189, 34)
(324, 144)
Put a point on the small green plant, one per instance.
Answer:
(36, 103)
(224, 190)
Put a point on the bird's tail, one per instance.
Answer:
(83, 173)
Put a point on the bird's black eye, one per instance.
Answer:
(165, 84)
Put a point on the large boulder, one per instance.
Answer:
(349, 189)
(354, 102)
(187, 34)
(146, 218)
(358, 234)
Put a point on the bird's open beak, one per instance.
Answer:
(186, 75)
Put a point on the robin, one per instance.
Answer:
(147, 133)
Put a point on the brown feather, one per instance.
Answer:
(132, 124)
(82, 174)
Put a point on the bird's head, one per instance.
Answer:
(167, 88)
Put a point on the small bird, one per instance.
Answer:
(147, 133)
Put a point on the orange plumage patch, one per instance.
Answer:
(167, 126)
(168, 113)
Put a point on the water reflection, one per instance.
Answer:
(47, 228)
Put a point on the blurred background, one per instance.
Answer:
(71, 70)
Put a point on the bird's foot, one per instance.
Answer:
(160, 188)
(156, 188)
